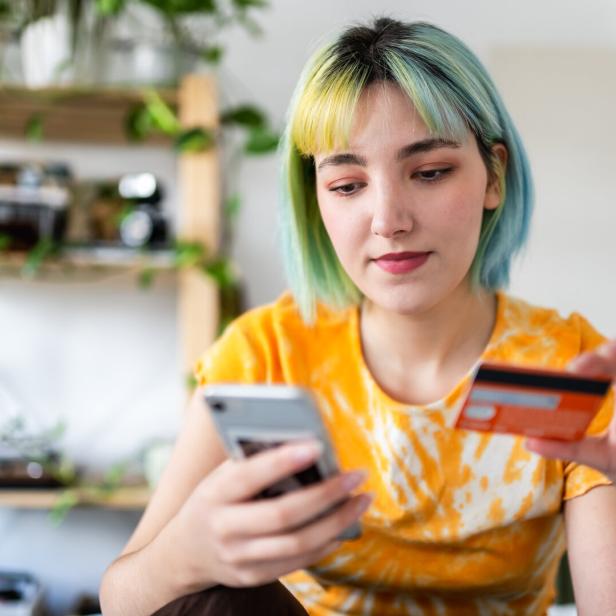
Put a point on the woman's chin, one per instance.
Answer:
(410, 300)
(402, 301)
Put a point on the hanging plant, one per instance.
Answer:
(153, 117)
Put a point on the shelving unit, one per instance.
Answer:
(89, 261)
(75, 114)
(98, 117)
(127, 498)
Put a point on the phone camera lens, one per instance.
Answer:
(219, 407)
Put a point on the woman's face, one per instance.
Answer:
(403, 210)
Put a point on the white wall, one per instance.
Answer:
(533, 50)
(96, 352)
(103, 355)
(563, 101)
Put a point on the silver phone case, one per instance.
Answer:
(271, 414)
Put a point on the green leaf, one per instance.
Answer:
(162, 116)
(244, 115)
(65, 502)
(249, 24)
(127, 209)
(114, 475)
(41, 251)
(213, 54)
(110, 7)
(261, 141)
(34, 128)
(146, 278)
(246, 4)
(191, 381)
(62, 66)
(221, 271)
(189, 254)
(178, 7)
(5, 241)
(232, 207)
(195, 140)
(64, 471)
(138, 124)
(5, 9)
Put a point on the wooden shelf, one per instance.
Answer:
(111, 256)
(98, 116)
(90, 260)
(74, 114)
(129, 498)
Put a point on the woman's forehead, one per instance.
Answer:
(385, 112)
(385, 115)
(335, 115)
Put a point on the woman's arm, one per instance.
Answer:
(591, 545)
(143, 579)
(204, 527)
(591, 518)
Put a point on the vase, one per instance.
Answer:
(145, 63)
(46, 52)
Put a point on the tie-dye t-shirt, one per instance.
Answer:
(462, 522)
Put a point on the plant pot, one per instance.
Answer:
(46, 52)
(145, 63)
(10, 58)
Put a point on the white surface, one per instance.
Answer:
(104, 355)
(556, 79)
(562, 610)
(45, 50)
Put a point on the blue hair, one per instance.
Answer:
(451, 91)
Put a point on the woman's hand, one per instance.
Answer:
(228, 538)
(596, 451)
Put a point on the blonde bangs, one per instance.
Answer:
(324, 114)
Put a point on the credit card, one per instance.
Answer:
(532, 401)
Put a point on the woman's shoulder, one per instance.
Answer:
(273, 343)
(528, 328)
(283, 316)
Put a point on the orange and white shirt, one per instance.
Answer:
(461, 522)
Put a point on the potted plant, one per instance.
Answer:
(109, 41)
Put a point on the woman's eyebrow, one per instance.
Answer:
(425, 145)
(343, 159)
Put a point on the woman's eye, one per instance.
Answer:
(346, 189)
(432, 175)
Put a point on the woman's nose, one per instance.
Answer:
(391, 215)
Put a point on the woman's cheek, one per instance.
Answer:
(463, 209)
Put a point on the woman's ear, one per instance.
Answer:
(496, 177)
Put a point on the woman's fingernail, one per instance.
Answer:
(352, 480)
(307, 452)
(531, 442)
(363, 503)
(333, 546)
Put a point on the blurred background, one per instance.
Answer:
(138, 195)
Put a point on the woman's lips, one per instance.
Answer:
(401, 262)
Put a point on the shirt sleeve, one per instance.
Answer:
(578, 478)
(233, 358)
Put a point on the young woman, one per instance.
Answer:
(406, 194)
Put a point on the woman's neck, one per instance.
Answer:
(419, 358)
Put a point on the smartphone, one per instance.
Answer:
(252, 418)
(535, 402)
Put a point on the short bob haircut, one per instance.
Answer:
(453, 94)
